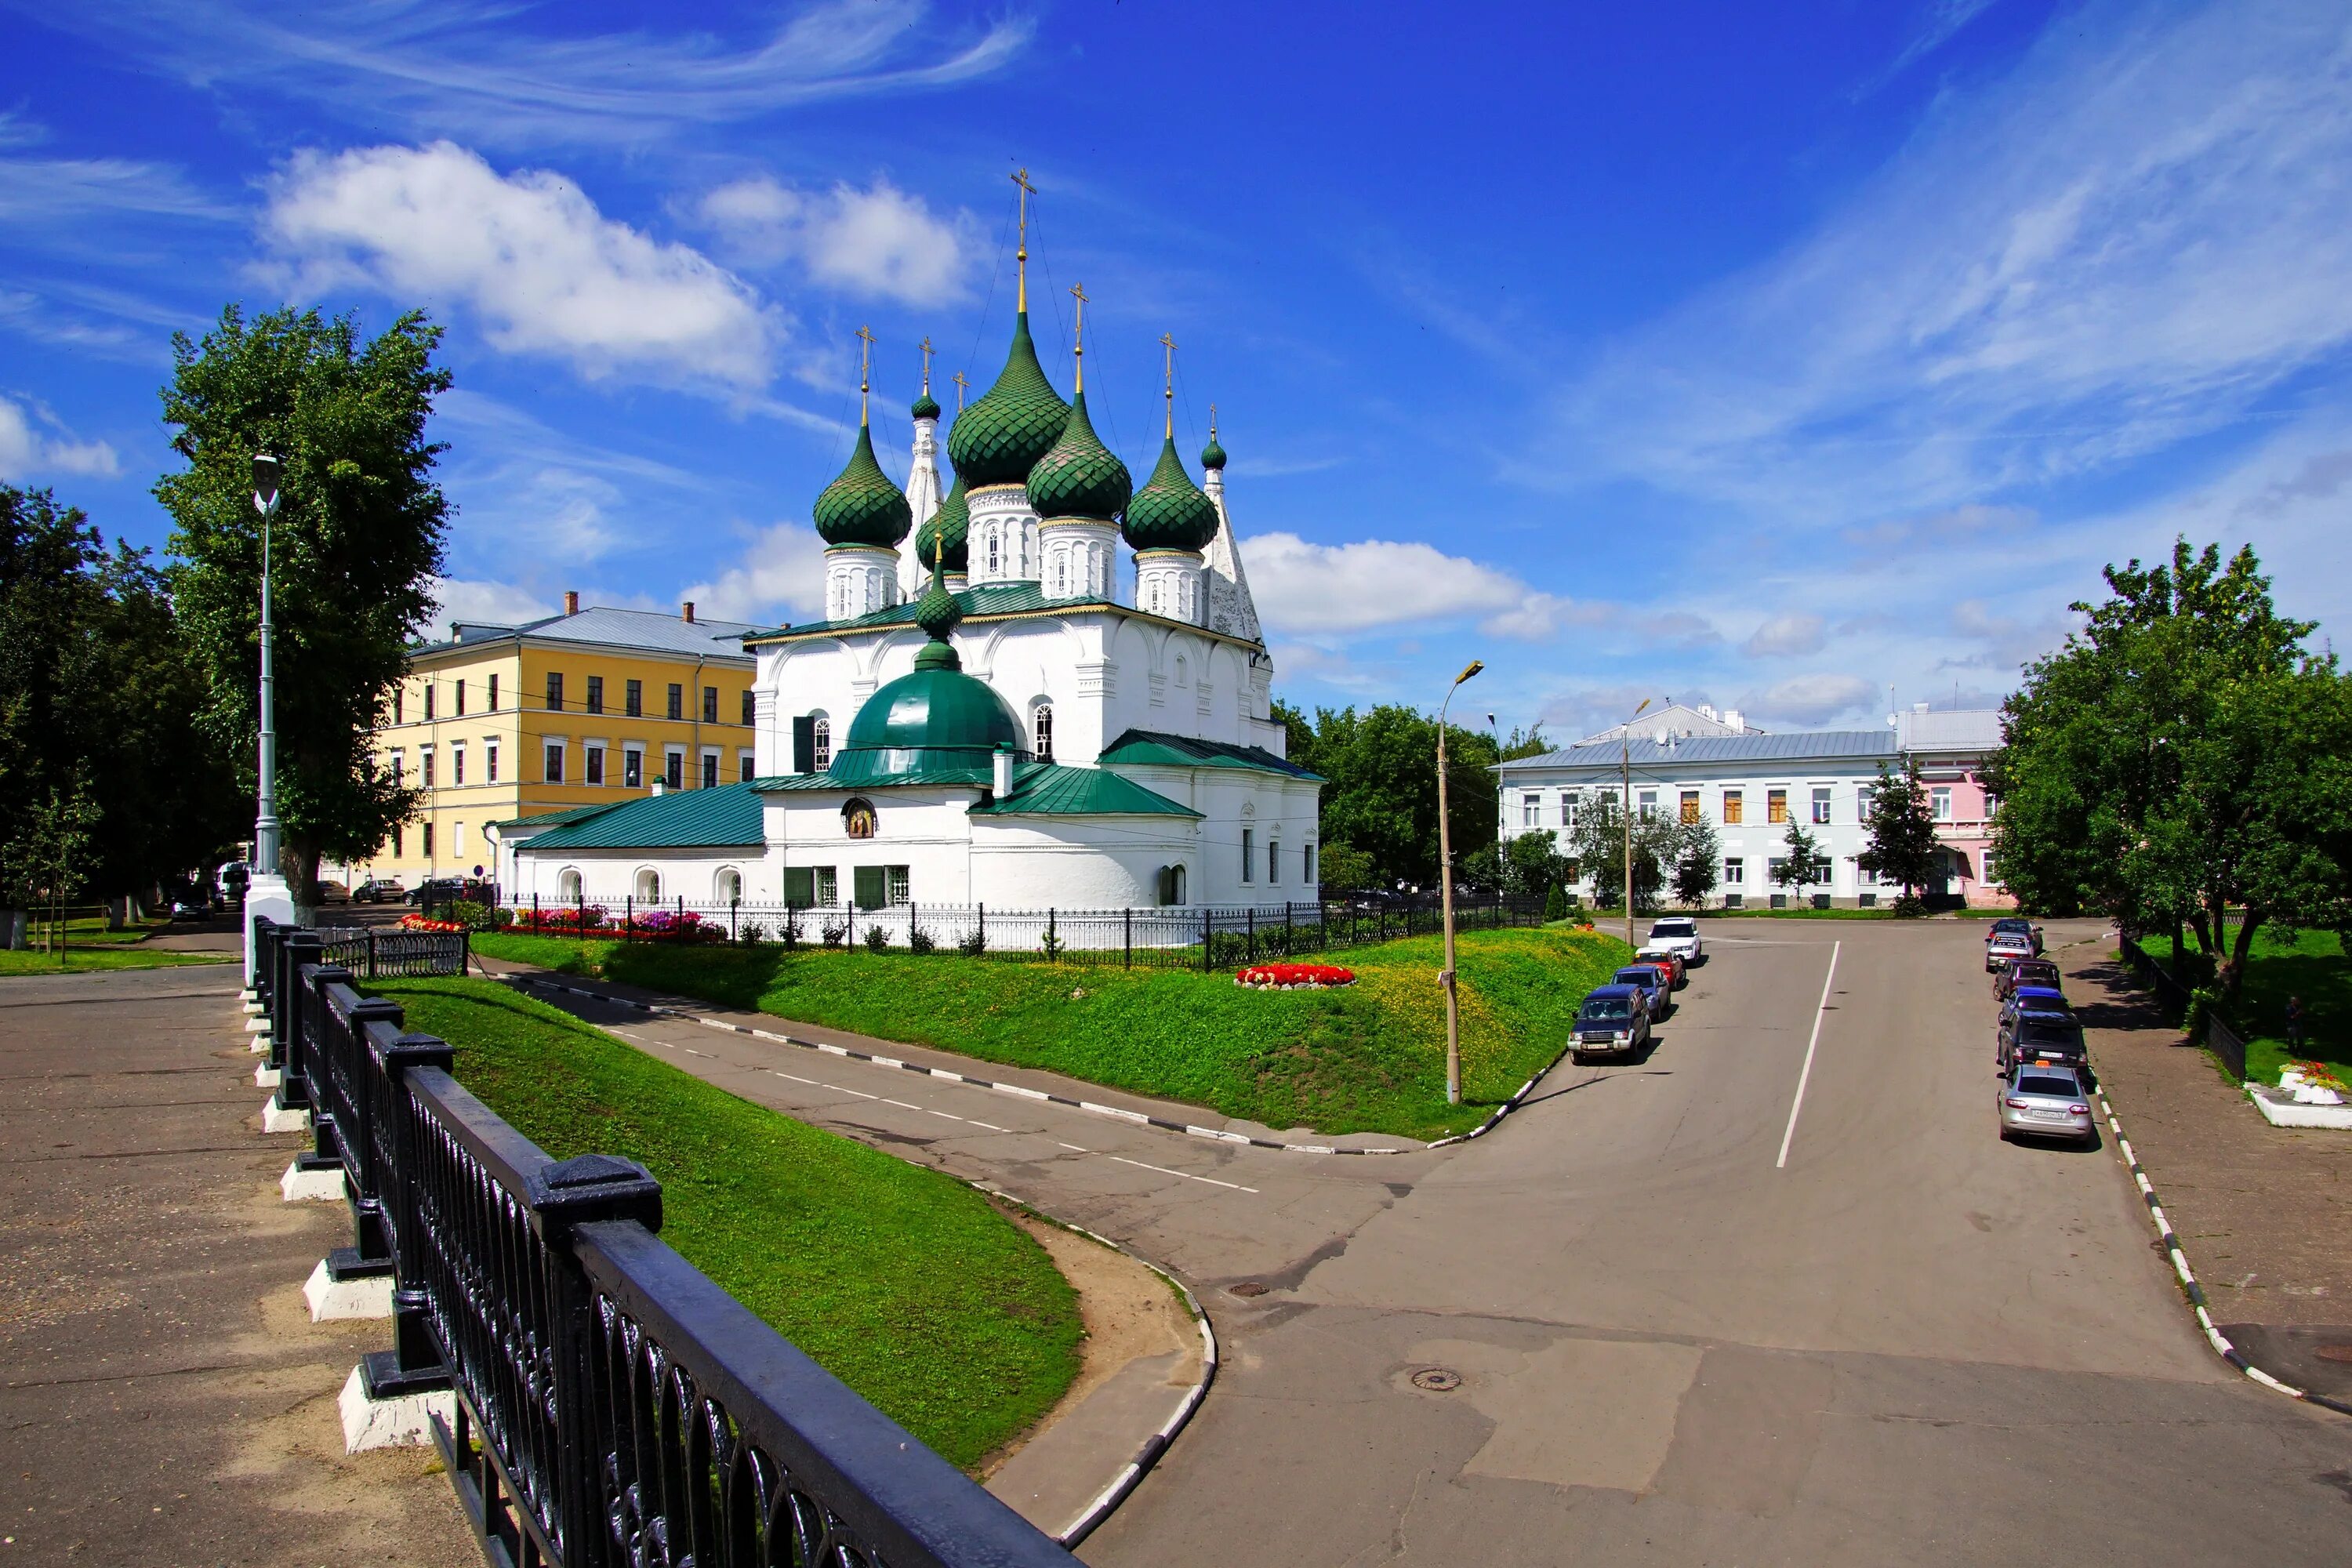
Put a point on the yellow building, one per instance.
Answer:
(589, 708)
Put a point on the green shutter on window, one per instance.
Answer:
(800, 886)
(870, 888)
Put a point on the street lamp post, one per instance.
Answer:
(1446, 893)
(1626, 768)
(266, 890)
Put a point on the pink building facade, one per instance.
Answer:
(1951, 748)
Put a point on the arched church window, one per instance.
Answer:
(649, 886)
(1183, 671)
(991, 549)
(823, 743)
(857, 818)
(1171, 885)
(567, 887)
(728, 886)
(1041, 727)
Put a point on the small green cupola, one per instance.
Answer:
(1000, 437)
(1080, 478)
(926, 407)
(1169, 512)
(863, 506)
(1212, 455)
(941, 537)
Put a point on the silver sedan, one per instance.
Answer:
(2040, 1101)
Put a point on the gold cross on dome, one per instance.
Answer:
(960, 385)
(1078, 332)
(927, 364)
(1020, 255)
(865, 371)
(1168, 343)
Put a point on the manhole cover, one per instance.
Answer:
(1437, 1379)
(2334, 1353)
(1246, 1288)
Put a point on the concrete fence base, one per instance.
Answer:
(405, 1422)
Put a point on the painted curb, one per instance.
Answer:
(1136, 1117)
(2189, 1286)
(1510, 1105)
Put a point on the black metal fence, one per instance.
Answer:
(2219, 1033)
(1201, 937)
(374, 954)
(612, 1404)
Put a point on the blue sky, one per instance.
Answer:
(1764, 356)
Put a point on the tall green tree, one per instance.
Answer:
(1381, 794)
(1902, 823)
(352, 552)
(1597, 845)
(2183, 757)
(1801, 854)
(1698, 864)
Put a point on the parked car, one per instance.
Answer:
(437, 890)
(379, 890)
(1614, 1020)
(2052, 1037)
(1656, 982)
(2015, 925)
(1679, 935)
(1667, 958)
(2019, 972)
(333, 894)
(2037, 1100)
(2003, 945)
(2027, 1002)
(191, 907)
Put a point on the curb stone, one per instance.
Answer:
(1115, 1113)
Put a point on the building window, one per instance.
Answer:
(710, 705)
(554, 770)
(396, 843)
(456, 762)
(1776, 806)
(633, 767)
(674, 769)
(1821, 805)
(1171, 885)
(493, 693)
(1991, 878)
(398, 763)
(632, 699)
(710, 770)
(751, 709)
(1648, 804)
(1041, 723)
(1865, 797)
(821, 737)
(491, 760)
(1273, 861)
(1183, 671)
(992, 551)
(1690, 805)
(428, 848)
(1307, 865)
(649, 886)
(595, 694)
(1569, 801)
(1734, 805)
(900, 883)
(1530, 810)
(677, 700)
(1735, 871)
(1992, 809)
(595, 765)
(1249, 854)
(457, 838)
(567, 887)
(743, 766)
(459, 709)
(728, 885)
(554, 691)
(430, 691)
(396, 706)
(1940, 801)
(828, 886)
(425, 765)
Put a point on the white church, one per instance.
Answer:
(982, 718)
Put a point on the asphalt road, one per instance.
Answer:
(1682, 1325)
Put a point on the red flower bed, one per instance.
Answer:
(425, 922)
(1288, 976)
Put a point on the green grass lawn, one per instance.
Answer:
(906, 1285)
(2313, 967)
(1364, 1058)
(76, 958)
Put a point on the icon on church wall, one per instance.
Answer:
(857, 818)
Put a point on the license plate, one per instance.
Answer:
(1599, 1040)
(2047, 1115)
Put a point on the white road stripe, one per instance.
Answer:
(1073, 1147)
(1802, 1076)
(901, 1104)
(1187, 1175)
(990, 1125)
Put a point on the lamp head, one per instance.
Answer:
(266, 469)
(1475, 665)
(1639, 712)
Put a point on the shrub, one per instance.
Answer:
(751, 931)
(877, 938)
(789, 932)
(975, 944)
(836, 933)
(1556, 904)
(919, 940)
(464, 914)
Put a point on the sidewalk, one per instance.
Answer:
(2264, 1213)
(164, 1395)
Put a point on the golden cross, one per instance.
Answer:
(865, 371)
(1169, 344)
(960, 385)
(1021, 256)
(1078, 292)
(927, 364)
(1213, 421)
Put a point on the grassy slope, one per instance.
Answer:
(30, 961)
(905, 1284)
(1366, 1057)
(2313, 967)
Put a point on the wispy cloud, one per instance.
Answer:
(34, 444)
(1376, 583)
(528, 253)
(40, 197)
(876, 243)
(445, 66)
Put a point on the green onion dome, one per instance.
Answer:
(1212, 455)
(1000, 437)
(926, 407)
(863, 506)
(936, 720)
(1169, 512)
(1080, 477)
(941, 538)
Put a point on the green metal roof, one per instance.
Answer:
(981, 599)
(1000, 437)
(555, 818)
(1050, 789)
(727, 817)
(1139, 747)
(969, 774)
(863, 506)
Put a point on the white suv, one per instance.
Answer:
(1679, 935)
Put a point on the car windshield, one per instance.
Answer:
(1674, 928)
(1637, 977)
(2041, 1029)
(2051, 1084)
(2012, 923)
(1606, 1009)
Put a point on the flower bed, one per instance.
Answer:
(426, 922)
(1294, 976)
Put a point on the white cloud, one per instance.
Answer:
(781, 575)
(38, 193)
(26, 452)
(529, 253)
(1785, 636)
(499, 604)
(1806, 701)
(879, 242)
(1309, 588)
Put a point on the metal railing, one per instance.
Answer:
(611, 1405)
(2217, 1032)
(1205, 937)
(374, 954)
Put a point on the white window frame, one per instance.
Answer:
(1735, 870)
(633, 761)
(1532, 809)
(1939, 802)
(1823, 799)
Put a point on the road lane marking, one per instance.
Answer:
(991, 1126)
(1819, 1014)
(1075, 1148)
(1187, 1175)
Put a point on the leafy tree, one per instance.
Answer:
(1555, 903)
(352, 552)
(1902, 847)
(1799, 870)
(1698, 866)
(1381, 789)
(1532, 864)
(56, 853)
(1345, 867)
(1598, 846)
(1530, 743)
(2183, 757)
